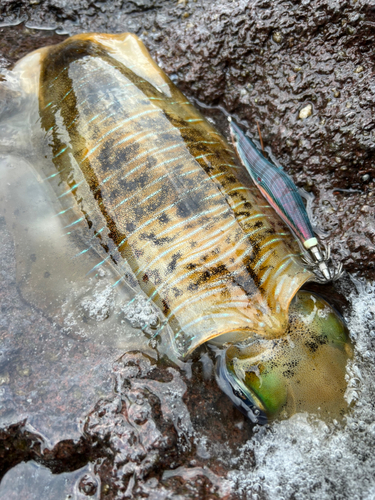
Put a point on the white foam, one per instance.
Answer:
(101, 303)
(141, 314)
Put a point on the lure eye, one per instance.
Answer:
(302, 371)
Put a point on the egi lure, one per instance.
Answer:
(282, 194)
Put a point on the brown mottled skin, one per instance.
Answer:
(161, 188)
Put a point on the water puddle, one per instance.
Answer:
(32, 481)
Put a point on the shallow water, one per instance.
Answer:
(62, 370)
(31, 481)
(69, 334)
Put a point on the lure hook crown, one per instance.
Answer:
(318, 261)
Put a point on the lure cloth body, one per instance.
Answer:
(283, 195)
(276, 186)
(160, 188)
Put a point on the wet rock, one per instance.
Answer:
(150, 436)
(156, 430)
(23, 482)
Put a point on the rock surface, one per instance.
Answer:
(304, 71)
(264, 62)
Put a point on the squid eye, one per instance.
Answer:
(301, 371)
(241, 397)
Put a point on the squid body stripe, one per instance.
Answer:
(206, 292)
(280, 285)
(182, 241)
(166, 284)
(255, 231)
(126, 97)
(165, 210)
(248, 251)
(188, 235)
(127, 120)
(94, 118)
(207, 246)
(239, 204)
(263, 258)
(149, 196)
(211, 196)
(127, 138)
(265, 275)
(125, 200)
(222, 256)
(53, 81)
(140, 166)
(221, 230)
(282, 266)
(193, 217)
(273, 240)
(252, 217)
(158, 151)
(204, 156)
(115, 174)
(190, 172)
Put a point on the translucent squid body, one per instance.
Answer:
(159, 193)
(282, 194)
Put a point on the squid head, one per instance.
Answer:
(302, 371)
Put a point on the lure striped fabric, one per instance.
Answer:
(275, 185)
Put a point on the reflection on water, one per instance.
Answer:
(31, 481)
(62, 327)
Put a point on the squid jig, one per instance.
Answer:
(282, 194)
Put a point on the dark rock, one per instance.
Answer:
(321, 61)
